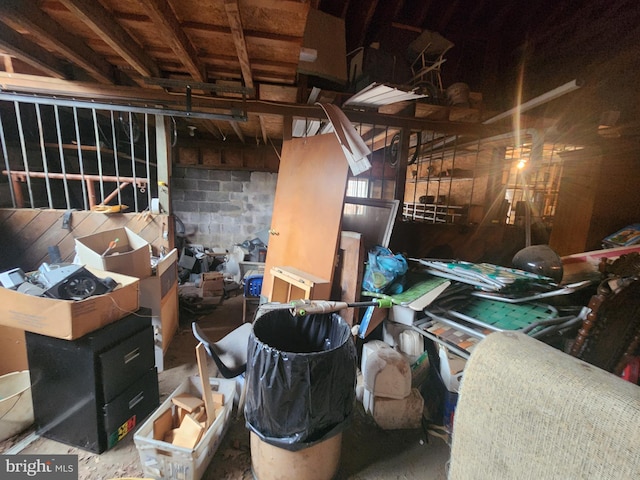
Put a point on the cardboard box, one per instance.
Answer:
(212, 284)
(70, 319)
(160, 293)
(131, 256)
(13, 350)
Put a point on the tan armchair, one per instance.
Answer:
(529, 411)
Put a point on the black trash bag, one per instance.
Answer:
(301, 377)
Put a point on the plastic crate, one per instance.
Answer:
(253, 285)
(162, 460)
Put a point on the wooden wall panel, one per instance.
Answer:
(26, 234)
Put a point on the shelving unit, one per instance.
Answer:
(441, 188)
(433, 212)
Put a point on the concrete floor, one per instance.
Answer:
(368, 452)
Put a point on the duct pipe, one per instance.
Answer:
(534, 102)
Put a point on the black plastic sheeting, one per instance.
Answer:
(301, 377)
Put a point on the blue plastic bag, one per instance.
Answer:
(384, 272)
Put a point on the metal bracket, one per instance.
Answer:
(66, 220)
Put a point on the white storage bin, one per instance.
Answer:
(16, 408)
(162, 460)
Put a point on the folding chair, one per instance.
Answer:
(229, 353)
(426, 54)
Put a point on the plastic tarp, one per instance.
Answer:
(301, 377)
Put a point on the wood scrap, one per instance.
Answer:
(188, 434)
(187, 402)
(207, 394)
(162, 425)
(218, 398)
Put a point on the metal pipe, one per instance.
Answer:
(537, 101)
(25, 98)
(21, 174)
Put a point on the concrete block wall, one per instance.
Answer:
(221, 208)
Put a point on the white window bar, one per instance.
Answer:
(43, 152)
(116, 163)
(23, 147)
(7, 166)
(81, 163)
(63, 162)
(98, 153)
(147, 159)
(133, 161)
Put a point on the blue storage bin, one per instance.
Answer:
(253, 285)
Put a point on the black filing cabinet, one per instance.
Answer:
(92, 391)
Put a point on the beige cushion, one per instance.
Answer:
(527, 410)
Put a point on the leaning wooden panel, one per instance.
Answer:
(307, 210)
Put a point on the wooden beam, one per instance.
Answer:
(249, 34)
(236, 128)
(100, 20)
(169, 28)
(21, 15)
(30, 53)
(8, 63)
(95, 92)
(235, 22)
(209, 127)
(263, 128)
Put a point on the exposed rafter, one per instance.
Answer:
(165, 20)
(263, 129)
(21, 15)
(99, 20)
(32, 54)
(235, 21)
(236, 128)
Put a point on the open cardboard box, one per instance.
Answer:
(160, 293)
(70, 319)
(130, 256)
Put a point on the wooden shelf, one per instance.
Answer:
(289, 284)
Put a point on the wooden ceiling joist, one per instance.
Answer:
(24, 16)
(98, 19)
(32, 54)
(236, 129)
(263, 129)
(276, 37)
(235, 22)
(165, 20)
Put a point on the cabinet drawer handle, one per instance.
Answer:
(132, 355)
(136, 400)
